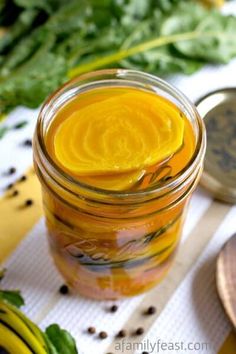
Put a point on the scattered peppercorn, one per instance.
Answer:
(9, 186)
(102, 335)
(114, 308)
(11, 170)
(64, 289)
(151, 310)
(28, 142)
(15, 193)
(122, 333)
(23, 178)
(139, 331)
(29, 202)
(91, 330)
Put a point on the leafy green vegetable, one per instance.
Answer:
(141, 48)
(61, 341)
(13, 297)
(22, 51)
(34, 80)
(20, 27)
(219, 48)
(46, 5)
(49, 41)
(211, 39)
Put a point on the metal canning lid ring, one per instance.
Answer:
(218, 109)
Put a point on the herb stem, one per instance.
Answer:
(139, 48)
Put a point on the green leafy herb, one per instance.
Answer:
(12, 296)
(48, 41)
(60, 341)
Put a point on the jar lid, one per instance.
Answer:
(218, 109)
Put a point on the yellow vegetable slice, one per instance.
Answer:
(116, 182)
(123, 133)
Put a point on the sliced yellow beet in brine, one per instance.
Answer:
(116, 182)
(127, 132)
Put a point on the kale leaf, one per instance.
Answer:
(217, 42)
(32, 82)
(48, 41)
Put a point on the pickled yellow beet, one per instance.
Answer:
(115, 182)
(129, 130)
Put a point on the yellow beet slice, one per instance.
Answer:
(127, 132)
(116, 182)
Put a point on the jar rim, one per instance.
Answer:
(150, 81)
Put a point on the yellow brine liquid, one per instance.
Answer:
(117, 139)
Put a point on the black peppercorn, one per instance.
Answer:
(64, 289)
(122, 333)
(15, 193)
(102, 335)
(151, 310)
(139, 331)
(28, 142)
(114, 308)
(23, 178)
(11, 170)
(29, 202)
(91, 330)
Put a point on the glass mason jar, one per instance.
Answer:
(109, 244)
